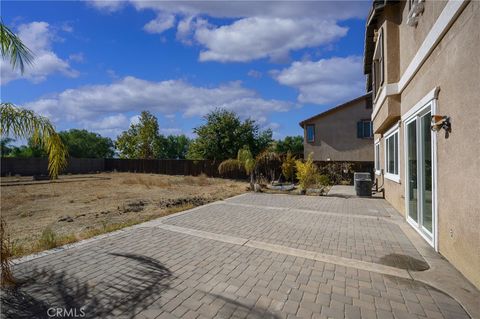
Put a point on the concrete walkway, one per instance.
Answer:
(251, 256)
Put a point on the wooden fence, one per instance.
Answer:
(39, 166)
(169, 167)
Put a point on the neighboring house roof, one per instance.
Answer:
(336, 108)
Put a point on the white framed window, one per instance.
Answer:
(377, 158)
(392, 158)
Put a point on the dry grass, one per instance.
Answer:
(6, 254)
(41, 216)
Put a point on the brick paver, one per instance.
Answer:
(149, 272)
(369, 239)
(346, 206)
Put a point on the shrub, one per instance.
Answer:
(7, 278)
(268, 164)
(288, 167)
(323, 180)
(307, 173)
(48, 240)
(338, 173)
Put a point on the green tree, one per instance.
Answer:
(174, 146)
(293, 144)
(5, 147)
(85, 144)
(263, 141)
(224, 134)
(32, 149)
(141, 140)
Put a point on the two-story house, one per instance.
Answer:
(342, 133)
(422, 60)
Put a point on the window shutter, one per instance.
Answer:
(360, 129)
(382, 66)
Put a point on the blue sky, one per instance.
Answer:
(100, 63)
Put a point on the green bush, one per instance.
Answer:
(323, 180)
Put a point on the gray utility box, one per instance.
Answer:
(363, 184)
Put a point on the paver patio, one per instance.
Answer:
(252, 256)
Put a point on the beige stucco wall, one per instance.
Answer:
(336, 135)
(388, 114)
(454, 67)
(411, 38)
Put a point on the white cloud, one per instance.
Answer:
(241, 9)
(107, 5)
(109, 122)
(325, 81)
(94, 105)
(255, 74)
(171, 131)
(134, 120)
(161, 23)
(259, 37)
(76, 57)
(110, 125)
(260, 29)
(38, 37)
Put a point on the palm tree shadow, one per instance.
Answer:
(140, 283)
(253, 312)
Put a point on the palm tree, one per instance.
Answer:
(14, 49)
(244, 161)
(22, 123)
(251, 165)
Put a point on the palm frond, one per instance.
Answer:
(267, 157)
(230, 165)
(246, 159)
(13, 48)
(22, 123)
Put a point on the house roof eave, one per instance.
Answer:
(335, 108)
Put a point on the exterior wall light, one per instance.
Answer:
(441, 122)
(416, 9)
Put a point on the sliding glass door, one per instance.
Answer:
(419, 176)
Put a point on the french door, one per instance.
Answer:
(420, 169)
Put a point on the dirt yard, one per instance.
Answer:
(80, 206)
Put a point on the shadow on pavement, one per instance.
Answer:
(253, 312)
(404, 262)
(139, 285)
